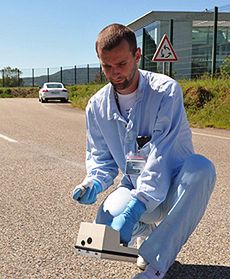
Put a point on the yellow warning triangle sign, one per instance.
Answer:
(165, 51)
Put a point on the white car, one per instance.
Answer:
(53, 91)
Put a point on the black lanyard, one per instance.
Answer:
(117, 101)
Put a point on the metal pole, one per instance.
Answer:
(3, 78)
(143, 49)
(171, 40)
(48, 74)
(75, 74)
(214, 42)
(61, 73)
(164, 68)
(32, 77)
(18, 78)
(87, 73)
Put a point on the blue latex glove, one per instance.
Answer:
(125, 222)
(87, 193)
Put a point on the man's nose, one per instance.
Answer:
(115, 71)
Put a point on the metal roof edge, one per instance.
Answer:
(140, 17)
(177, 15)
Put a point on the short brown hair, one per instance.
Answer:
(112, 35)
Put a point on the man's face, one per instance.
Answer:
(120, 67)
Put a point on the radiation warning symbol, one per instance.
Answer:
(165, 51)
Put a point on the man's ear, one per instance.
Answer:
(138, 55)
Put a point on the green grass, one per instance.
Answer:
(80, 94)
(19, 92)
(207, 100)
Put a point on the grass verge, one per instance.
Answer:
(207, 100)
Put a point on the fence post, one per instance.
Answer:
(3, 78)
(32, 77)
(75, 74)
(214, 42)
(18, 76)
(61, 73)
(87, 73)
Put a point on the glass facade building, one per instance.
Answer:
(192, 34)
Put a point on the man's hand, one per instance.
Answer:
(125, 222)
(86, 193)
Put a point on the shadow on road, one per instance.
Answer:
(191, 271)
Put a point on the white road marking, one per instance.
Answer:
(73, 163)
(8, 139)
(210, 135)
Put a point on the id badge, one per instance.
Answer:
(135, 164)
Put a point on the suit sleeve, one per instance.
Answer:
(153, 183)
(99, 161)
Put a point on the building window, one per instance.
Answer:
(147, 41)
(202, 40)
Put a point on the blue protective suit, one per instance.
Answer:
(175, 185)
(158, 113)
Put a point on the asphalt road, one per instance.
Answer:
(42, 149)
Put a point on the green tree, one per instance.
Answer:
(11, 77)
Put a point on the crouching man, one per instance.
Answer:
(137, 124)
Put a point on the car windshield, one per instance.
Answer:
(54, 85)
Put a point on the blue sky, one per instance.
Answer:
(54, 33)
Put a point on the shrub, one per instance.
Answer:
(196, 98)
(225, 67)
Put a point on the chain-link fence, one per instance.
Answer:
(37, 76)
(201, 41)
